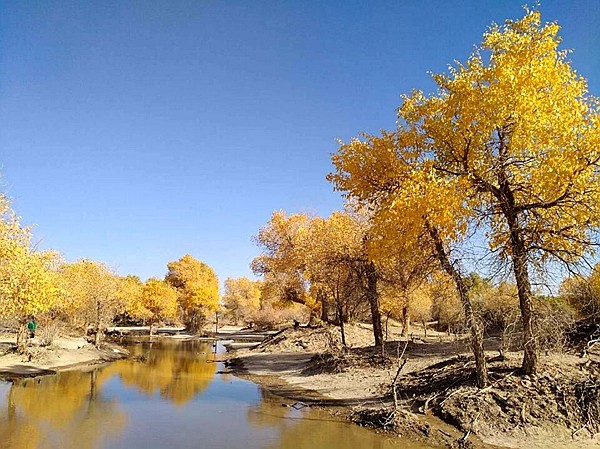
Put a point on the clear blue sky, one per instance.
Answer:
(133, 132)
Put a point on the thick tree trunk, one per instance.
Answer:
(22, 335)
(373, 297)
(530, 345)
(324, 306)
(473, 323)
(405, 321)
(98, 337)
(518, 249)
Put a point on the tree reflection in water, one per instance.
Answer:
(176, 371)
(69, 409)
(165, 395)
(66, 410)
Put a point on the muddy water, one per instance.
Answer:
(169, 396)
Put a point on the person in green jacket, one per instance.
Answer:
(32, 326)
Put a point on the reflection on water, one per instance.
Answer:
(174, 370)
(168, 395)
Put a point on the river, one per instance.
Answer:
(168, 395)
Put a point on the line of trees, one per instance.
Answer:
(509, 145)
(88, 295)
(322, 263)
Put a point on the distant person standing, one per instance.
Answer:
(31, 327)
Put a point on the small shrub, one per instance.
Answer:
(554, 319)
(269, 316)
(48, 332)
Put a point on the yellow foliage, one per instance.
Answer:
(28, 279)
(282, 262)
(447, 308)
(242, 298)
(518, 124)
(315, 261)
(160, 301)
(332, 248)
(129, 292)
(583, 293)
(90, 292)
(196, 283)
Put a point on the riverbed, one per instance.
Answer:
(168, 394)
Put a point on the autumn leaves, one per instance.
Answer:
(87, 295)
(509, 144)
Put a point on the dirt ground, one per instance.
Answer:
(437, 398)
(63, 353)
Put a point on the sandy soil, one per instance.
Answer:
(63, 353)
(287, 355)
(539, 412)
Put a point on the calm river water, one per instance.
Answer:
(170, 396)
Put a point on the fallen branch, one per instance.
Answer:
(400, 366)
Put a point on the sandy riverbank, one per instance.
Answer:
(64, 353)
(438, 402)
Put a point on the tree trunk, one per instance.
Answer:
(387, 320)
(98, 337)
(324, 306)
(530, 345)
(424, 323)
(340, 317)
(22, 335)
(313, 318)
(473, 322)
(518, 250)
(405, 321)
(373, 297)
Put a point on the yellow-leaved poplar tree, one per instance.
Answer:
(91, 293)
(282, 261)
(242, 298)
(129, 292)
(416, 214)
(338, 261)
(322, 263)
(197, 286)
(517, 123)
(159, 299)
(28, 278)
